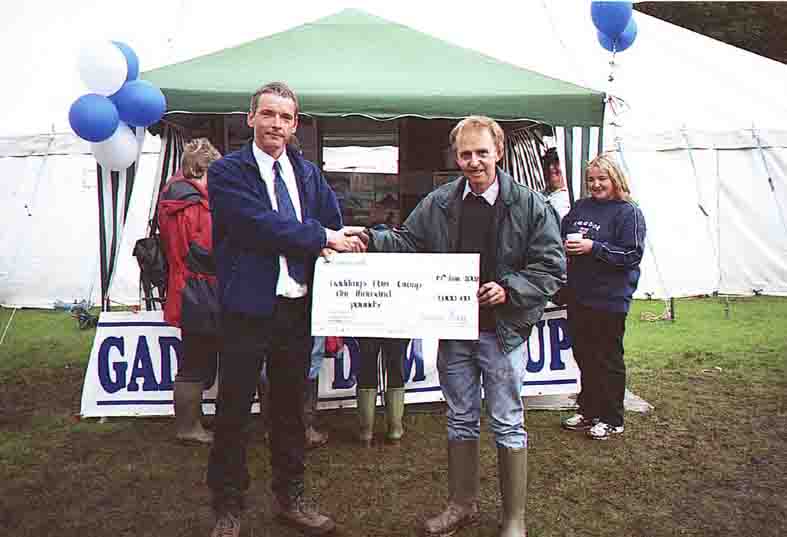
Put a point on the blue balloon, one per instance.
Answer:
(93, 117)
(132, 61)
(139, 103)
(611, 18)
(624, 40)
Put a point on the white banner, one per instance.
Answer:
(396, 296)
(551, 368)
(133, 364)
(132, 367)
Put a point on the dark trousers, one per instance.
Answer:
(597, 337)
(284, 339)
(199, 360)
(393, 351)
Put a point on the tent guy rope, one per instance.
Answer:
(11, 318)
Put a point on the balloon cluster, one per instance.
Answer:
(616, 27)
(117, 103)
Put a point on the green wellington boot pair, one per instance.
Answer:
(394, 412)
(463, 486)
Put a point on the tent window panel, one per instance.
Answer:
(367, 199)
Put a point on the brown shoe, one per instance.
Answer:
(315, 438)
(303, 517)
(227, 525)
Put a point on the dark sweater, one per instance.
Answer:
(607, 277)
(476, 235)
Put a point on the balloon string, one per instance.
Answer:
(611, 77)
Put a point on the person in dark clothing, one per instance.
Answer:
(391, 353)
(184, 220)
(604, 239)
(555, 192)
(273, 215)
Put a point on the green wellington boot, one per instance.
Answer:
(463, 485)
(394, 411)
(188, 413)
(366, 399)
(512, 474)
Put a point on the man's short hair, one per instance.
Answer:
(198, 154)
(478, 123)
(276, 88)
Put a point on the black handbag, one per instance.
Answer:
(200, 310)
(153, 268)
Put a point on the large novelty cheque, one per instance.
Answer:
(396, 296)
(424, 298)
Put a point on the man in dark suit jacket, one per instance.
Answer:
(273, 214)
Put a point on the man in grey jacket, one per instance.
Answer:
(522, 262)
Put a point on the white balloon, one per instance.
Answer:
(119, 151)
(102, 67)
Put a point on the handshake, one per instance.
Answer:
(348, 239)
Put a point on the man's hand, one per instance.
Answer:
(491, 294)
(580, 247)
(340, 242)
(357, 231)
(326, 253)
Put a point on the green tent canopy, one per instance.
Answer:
(354, 63)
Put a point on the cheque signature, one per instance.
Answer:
(450, 316)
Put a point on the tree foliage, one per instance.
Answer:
(759, 27)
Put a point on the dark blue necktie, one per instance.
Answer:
(295, 266)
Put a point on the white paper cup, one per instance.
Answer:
(574, 236)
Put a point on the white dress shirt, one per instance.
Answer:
(490, 194)
(285, 285)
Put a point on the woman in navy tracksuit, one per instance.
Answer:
(603, 271)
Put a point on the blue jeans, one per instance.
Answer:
(318, 353)
(463, 365)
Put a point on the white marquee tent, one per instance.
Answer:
(700, 125)
(49, 243)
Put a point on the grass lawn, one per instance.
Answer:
(711, 460)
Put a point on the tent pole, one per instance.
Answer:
(226, 134)
(318, 143)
